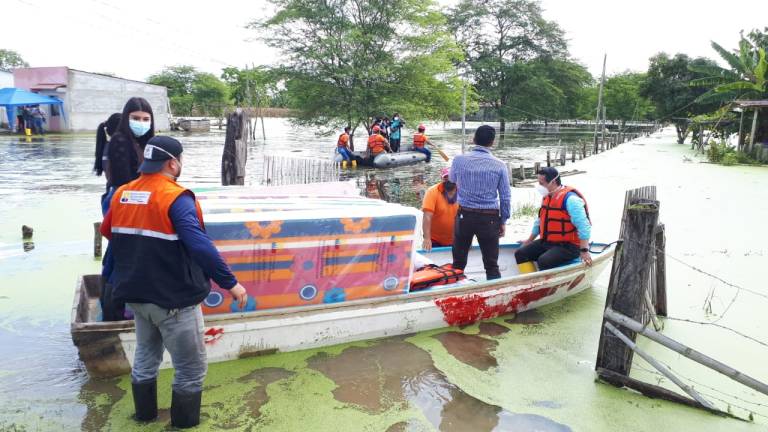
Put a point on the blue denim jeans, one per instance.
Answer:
(180, 331)
(346, 154)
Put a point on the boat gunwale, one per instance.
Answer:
(409, 297)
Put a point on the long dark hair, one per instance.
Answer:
(136, 104)
(106, 129)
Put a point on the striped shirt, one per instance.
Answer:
(482, 181)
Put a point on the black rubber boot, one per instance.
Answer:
(185, 410)
(145, 400)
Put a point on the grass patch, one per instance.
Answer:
(525, 210)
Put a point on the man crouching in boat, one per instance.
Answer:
(563, 224)
(439, 208)
(163, 261)
(377, 145)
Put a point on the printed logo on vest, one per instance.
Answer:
(135, 197)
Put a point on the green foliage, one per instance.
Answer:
(210, 94)
(747, 77)
(717, 151)
(348, 60)
(723, 154)
(252, 87)
(518, 60)
(10, 59)
(622, 98)
(666, 86)
(525, 210)
(192, 92)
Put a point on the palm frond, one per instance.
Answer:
(761, 70)
(732, 59)
(736, 86)
(711, 81)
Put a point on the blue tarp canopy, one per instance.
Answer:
(12, 97)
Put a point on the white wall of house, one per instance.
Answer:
(90, 98)
(6, 80)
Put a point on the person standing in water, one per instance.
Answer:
(164, 261)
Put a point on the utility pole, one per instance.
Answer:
(599, 103)
(463, 118)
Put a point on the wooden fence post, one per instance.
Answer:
(536, 168)
(629, 280)
(660, 261)
(235, 153)
(549, 160)
(97, 239)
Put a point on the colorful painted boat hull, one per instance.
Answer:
(107, 348)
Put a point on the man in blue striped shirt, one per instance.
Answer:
(484, 202)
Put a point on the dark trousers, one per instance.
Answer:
(394, 144)
(487, 228)
(547, 255)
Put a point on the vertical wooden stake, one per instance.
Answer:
(660, 242)
(97, 239)
(549, 159)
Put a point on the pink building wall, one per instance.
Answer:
(28, 78)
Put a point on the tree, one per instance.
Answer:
(192, 92)
(747, 78)
(210, 94)
(622, 98)
(251, 87)
(10, 59)
(500, 38)
(666, 86)
(349, 60)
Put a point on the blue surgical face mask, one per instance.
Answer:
(138, 127)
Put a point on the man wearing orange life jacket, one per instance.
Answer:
(377, 145)
(563, 224)
(342, 146)
(419, 140)
(163, 261)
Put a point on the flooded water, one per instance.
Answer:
(531, 372)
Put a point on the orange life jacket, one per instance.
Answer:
(432, 275)
(555, 222)
(376, 143)
(342, 141)
(151, 263)
(419, 139)
(143, 204)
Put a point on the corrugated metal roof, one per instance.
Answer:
(751, 103)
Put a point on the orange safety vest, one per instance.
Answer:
(151, 263)
(343, 140)
(419, 139)
(376, 144)
(555, 222)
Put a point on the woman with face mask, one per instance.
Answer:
(137, 126)
(125, 152)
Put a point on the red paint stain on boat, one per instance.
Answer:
(463, 310)
(213, 334)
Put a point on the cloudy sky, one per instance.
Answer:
(137, 38)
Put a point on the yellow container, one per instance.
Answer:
(28, 131)
(527, 267)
